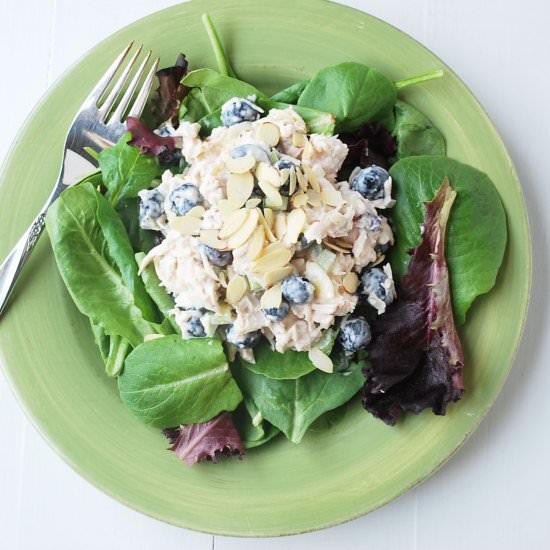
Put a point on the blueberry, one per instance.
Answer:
(261, 154)
(218, 257)
(151, 205)
(382, 249)
(277, 313)
(195, 328)
(373, 284)
(169, 158)
(239, 109)
(297, 290)
(355, 334)
(370, 182)
(248, 340)
(372, 222)
(303, 244)
(184, 197)
(283, 164)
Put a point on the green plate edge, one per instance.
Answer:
(280, 489)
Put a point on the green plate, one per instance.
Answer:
(336, 474)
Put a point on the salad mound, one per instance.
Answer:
(236, 252)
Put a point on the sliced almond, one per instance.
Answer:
(256, 243)
(321, 360)
(239, 188)
(245, 232)
(210, 238)
(226, 207)
(233, 223)
(314, 197)
(185, 225)
(336, 248)
(268, 133)
(307, 153)
(342, 243)
(302, 179)
(272, 193)
(332, 197)
(252, 203)
(265, 172)
(350, 282)
(292, 181)
(294, 225)
(266, 225)
(284, 175)
(278, 245)
(318, 276)
(299, 200)
(311, 177)
(236, 289)
(298, 139)
(280, 225)
(271, 298)
(240, 165)
(269, 216)
(196, 212)
(272, 277)
(271, 261)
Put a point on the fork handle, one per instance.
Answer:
(12, 265)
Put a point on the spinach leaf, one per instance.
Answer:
(101, 339)
(292, 405)
(126, 171)
(352, 92)
(169, 381)
(141, 239)
(157, 292)
(415, 134)
(118, 350)
(95, 260)
(253, 435)
(476, 234)
(291, 94)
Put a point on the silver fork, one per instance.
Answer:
(99, 123)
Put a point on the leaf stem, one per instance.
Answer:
(399, 84)
(223, 63)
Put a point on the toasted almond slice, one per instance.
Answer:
(284, 175)
(278, 245)
(336, 248)
(321, 361)
(267, 226)
(350, 282)
(265, 172)
(271, 261)
(299, 200)
(298, 139)
(240, 165)
(294, 225)
(313, 197)
(256, 243)
(239, 188)
(272, 193)
(236, 289)
(210, 238)
(311, 177)
(292, 181)
(268, 133)
(252, 203)
(244, 233)
(342, 243)
(332, 197)
(272, 297)
(269, 216)
(233, 223)
(196, 212)
(302, 179)
(280, 225)
(307, 153)
(272, 277)
(318, 276)
(226, 208)
(185, 225)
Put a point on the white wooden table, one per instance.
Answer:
(494, 492)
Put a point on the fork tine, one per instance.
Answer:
(116, 117)
(105, 80)
(143, 94)
(117, 87)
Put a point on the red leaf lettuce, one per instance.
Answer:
(206, 441)
(170, 91)
(416, 358)
(148, 142)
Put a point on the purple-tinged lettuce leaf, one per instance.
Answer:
(148, 142)
(207, 441)
(416, 359)
(170, 91)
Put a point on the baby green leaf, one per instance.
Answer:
(476, 234)
(291, 94)
(170, 381)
